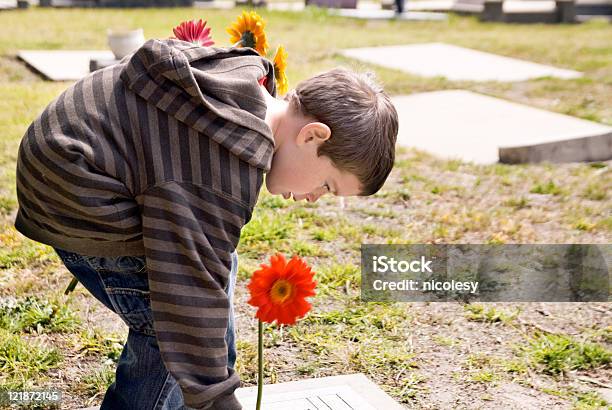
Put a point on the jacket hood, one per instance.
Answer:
(214, 90)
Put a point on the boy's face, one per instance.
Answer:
(297, 170)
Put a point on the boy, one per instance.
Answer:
(141, 176)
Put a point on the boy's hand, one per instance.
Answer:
(310, 197)
(287, 195)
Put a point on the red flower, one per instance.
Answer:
(279, 290)
(194, 32)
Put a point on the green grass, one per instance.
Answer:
(584, 225)
(23, 361)
(445, 341)
(7, 205)
(17, 252)
(32, 314)
(482, 368)
(580, 399)
(304, 248)
(324, 235)
(556, 354)
(337, 278)
(265, 231)
(92, 341)
(362, 317)
(483, 377)
(480, 313)
(519, 203)
(514, 366)
(589, 400)
(273, 202)
(595, 192)
(548, 188)
(98, 381)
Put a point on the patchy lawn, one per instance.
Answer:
(425, 355)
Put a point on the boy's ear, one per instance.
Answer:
(316, 130)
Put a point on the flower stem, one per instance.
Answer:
(260, 365)
(71, 286)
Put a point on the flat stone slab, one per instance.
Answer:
(296, 6)
(455, 63)
(531, 6)
(508, 6)
(346, 392)
(215, 4)
(473, 127)
(429, 5)
(8, 4)
(63, 65)
(375, 6)
(288, 6)
(373, 14)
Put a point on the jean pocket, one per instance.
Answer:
(123, 264)
(127, 288)
(134, 308)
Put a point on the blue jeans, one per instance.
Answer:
(120, 283)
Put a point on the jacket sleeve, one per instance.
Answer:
(189, 232)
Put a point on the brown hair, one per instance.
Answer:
(362, 120)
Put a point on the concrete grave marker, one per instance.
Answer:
(8, 4)
(373, 14)
(346, 392)
(455, 63)
(63, 65)
(474, 127)
(215, 4)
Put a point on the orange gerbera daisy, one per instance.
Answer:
(279, 290)
(248, 31)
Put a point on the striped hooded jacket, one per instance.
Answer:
(162, 155)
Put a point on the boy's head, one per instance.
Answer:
(337, 129)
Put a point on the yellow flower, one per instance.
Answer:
(280, 66)
(248, 31)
